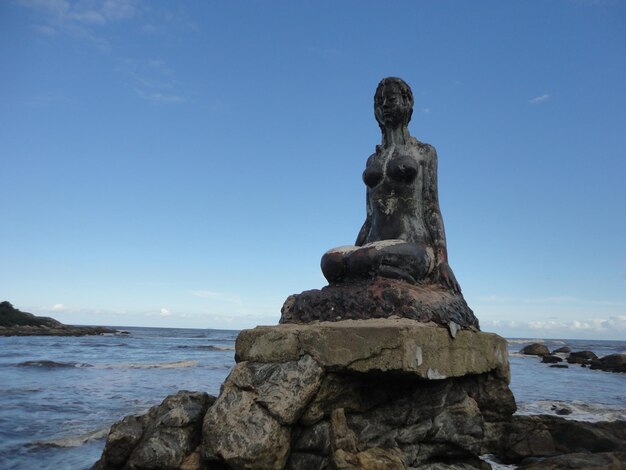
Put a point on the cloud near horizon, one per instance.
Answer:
(615, 324)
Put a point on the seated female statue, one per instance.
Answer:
(403, 235)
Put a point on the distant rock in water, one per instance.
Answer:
(14, 322)
(611, 363)
(535, 349)
(582, 357)
(551, 359)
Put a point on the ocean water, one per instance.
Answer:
(59, 395)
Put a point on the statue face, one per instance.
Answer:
(391, 108)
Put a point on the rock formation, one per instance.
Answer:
(14, 322)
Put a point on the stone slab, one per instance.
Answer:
(403, 346)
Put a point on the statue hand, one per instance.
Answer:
(446, 277)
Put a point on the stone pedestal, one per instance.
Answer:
(380, 298)
(360, 394)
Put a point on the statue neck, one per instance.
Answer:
(395, 136)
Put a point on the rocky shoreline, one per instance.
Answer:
(360, 394)
(609, 363)
(170, 436)
(14, 322)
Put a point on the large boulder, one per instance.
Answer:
(248, 427)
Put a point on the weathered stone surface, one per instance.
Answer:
(161, 439)
(546, 436)
(248, 425)
(421, 421)
(399, 345)
(535, 349)
(379, 298)
(239, 431)
(563, 349)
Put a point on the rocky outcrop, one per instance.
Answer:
(14, 322)
(379, 298)
(167, 437)
(562, 349)
(535, 349)
(359, 394)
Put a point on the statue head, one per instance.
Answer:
(393, 103)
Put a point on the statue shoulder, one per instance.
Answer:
(426, 150)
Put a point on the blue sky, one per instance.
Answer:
(188, 163)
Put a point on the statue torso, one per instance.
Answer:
(395, 177)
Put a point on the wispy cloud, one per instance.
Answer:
(58, 308)
(539, 99)
(63, 14)
(80, 19)
(153, 80)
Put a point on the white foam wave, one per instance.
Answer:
(580, 411)
(523, 341)
(495, 465)
(73, 441)
(158, 365)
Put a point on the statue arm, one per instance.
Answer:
(365, 229)
(434, 222)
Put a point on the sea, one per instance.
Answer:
(60, 395)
